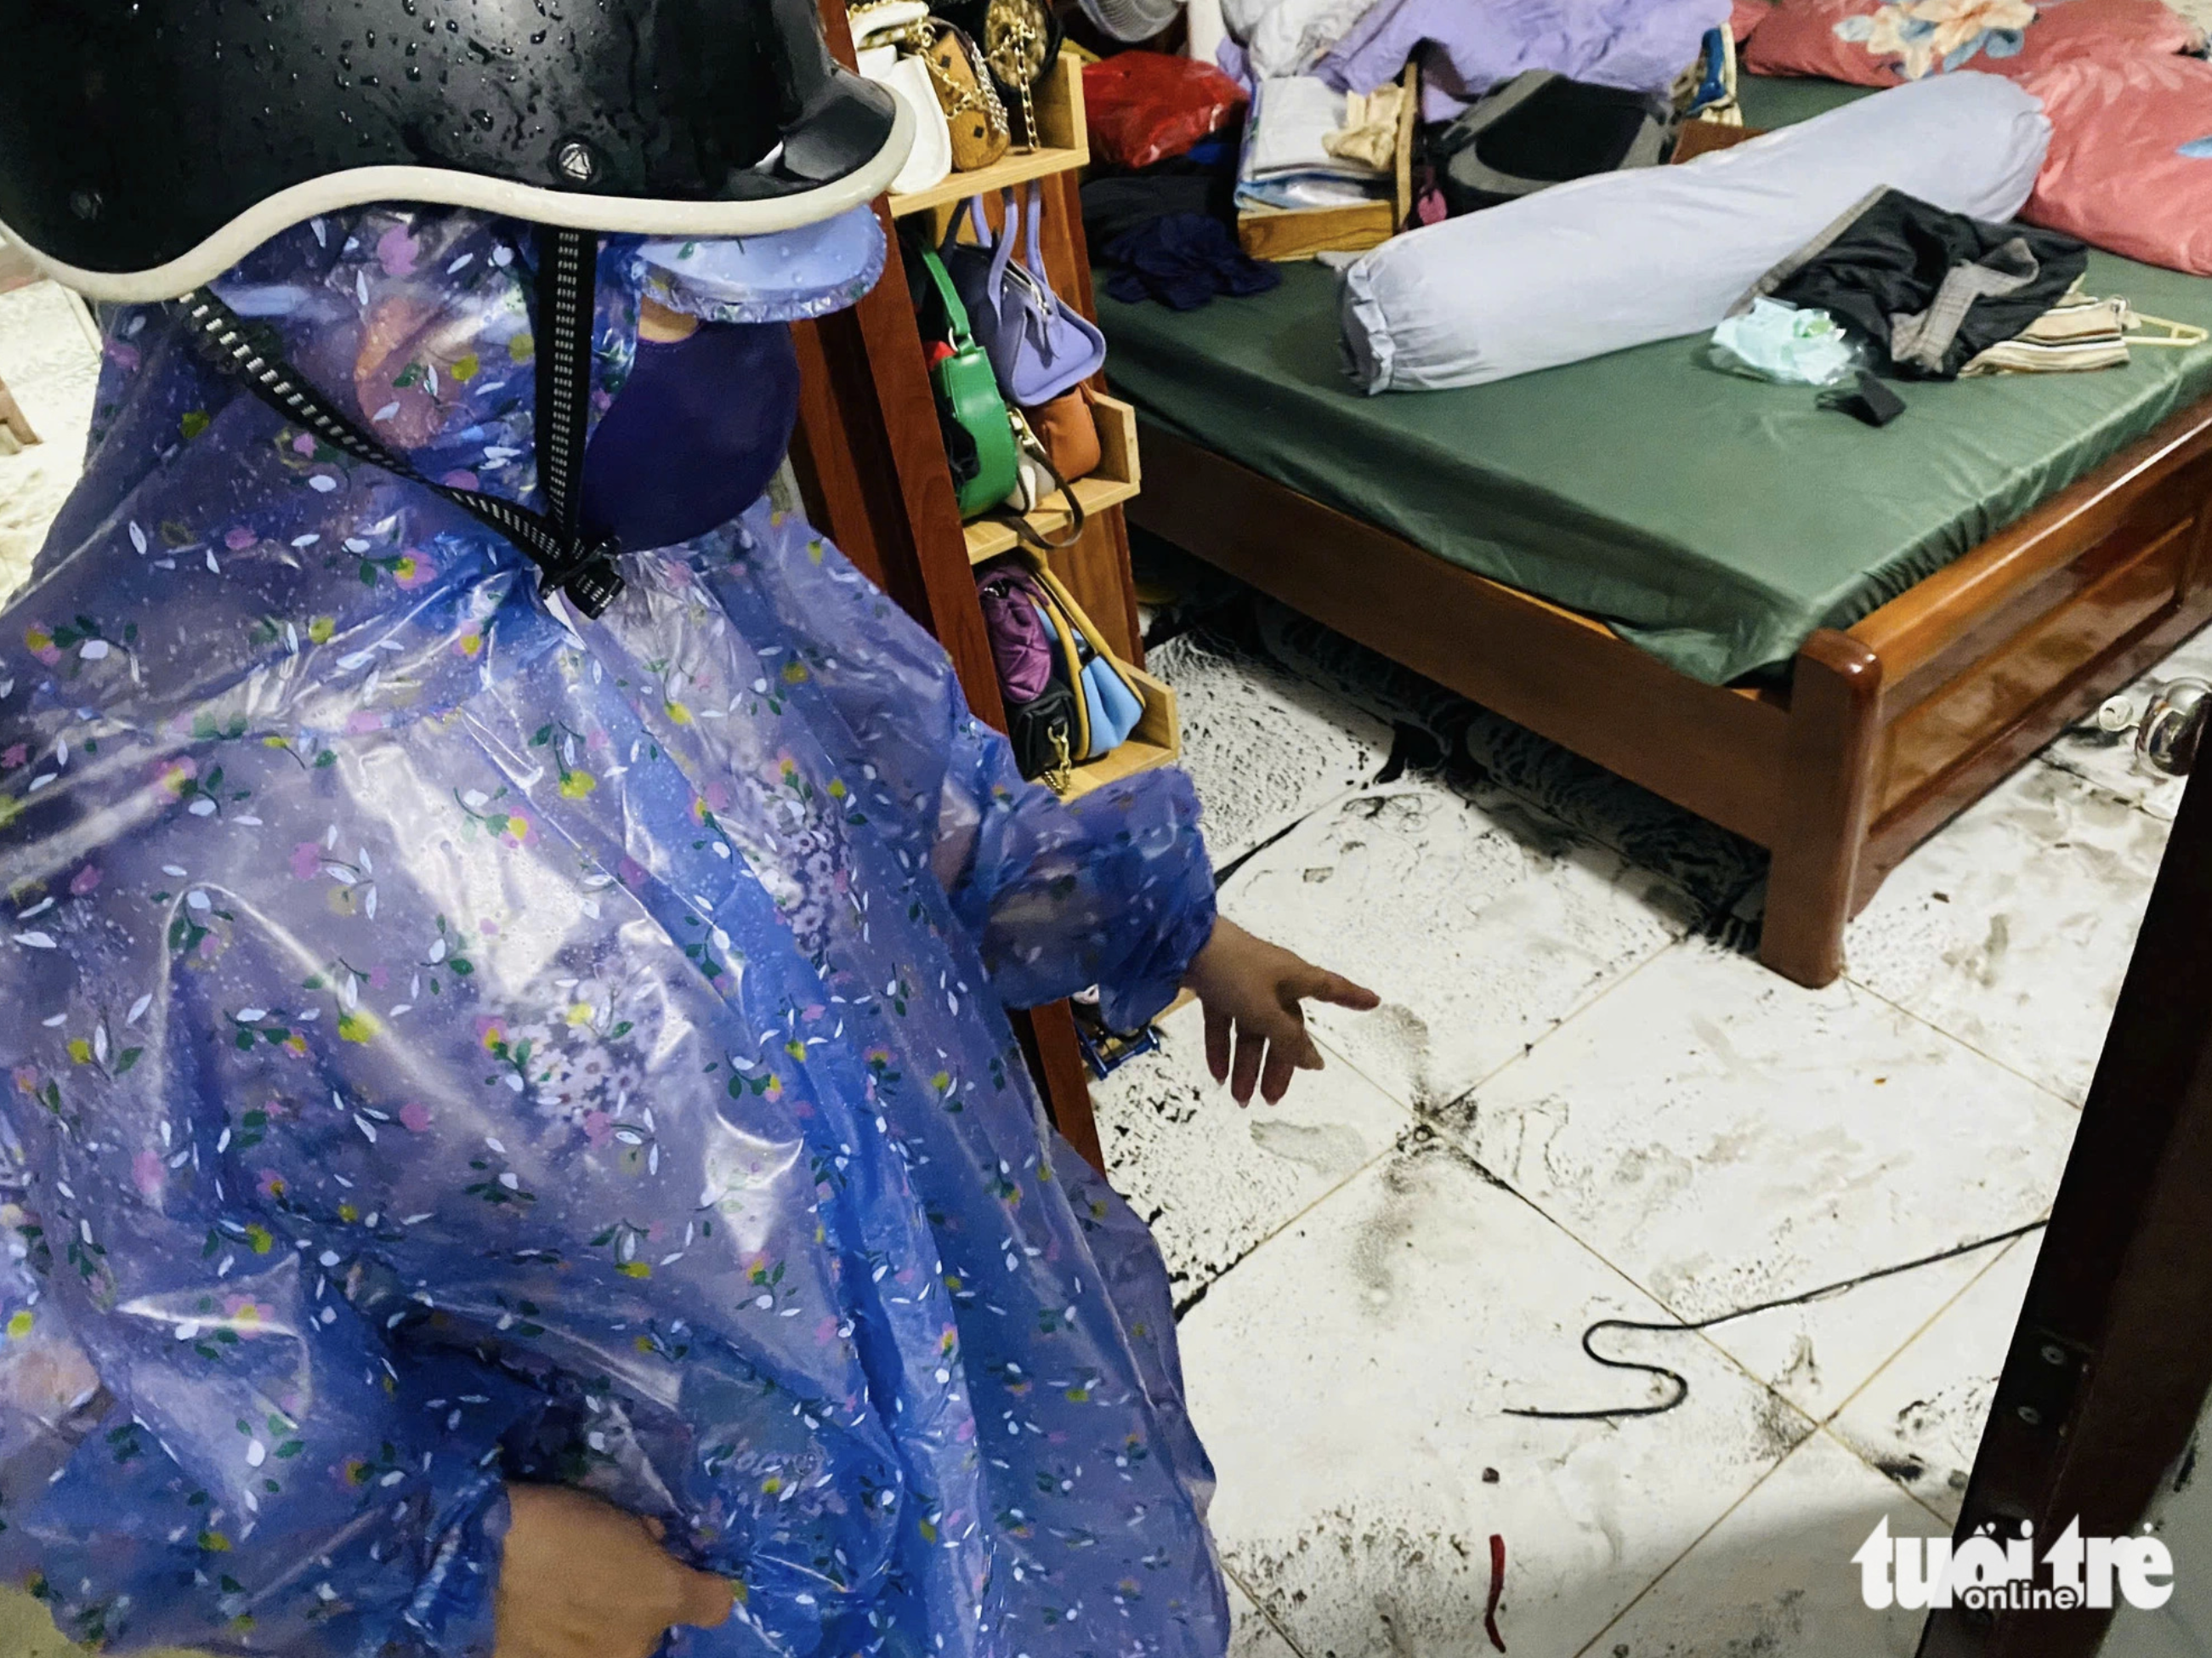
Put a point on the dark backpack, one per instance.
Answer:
(1541, 129)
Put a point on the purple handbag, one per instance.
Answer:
(1021, 649)
(1039, 347)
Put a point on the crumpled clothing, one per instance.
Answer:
(1287, 160)
(1285, 36)
(453, 1042)
(1183, 260)
(1929, 289)
(1369, 133)
(1467, 46)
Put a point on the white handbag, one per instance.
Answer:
(907, 76)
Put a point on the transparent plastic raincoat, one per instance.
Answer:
(447, 1041)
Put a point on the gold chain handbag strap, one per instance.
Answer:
(982, 96)
(1014, 43)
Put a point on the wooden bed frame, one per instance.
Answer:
(1887, 729)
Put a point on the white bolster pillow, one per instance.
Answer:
(1625, 259)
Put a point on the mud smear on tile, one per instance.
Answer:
(1263, 749)
(2011, 929)
(1213, 1179)
(1481, 925)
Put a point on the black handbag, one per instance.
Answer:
(1044, 733)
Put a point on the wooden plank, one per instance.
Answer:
(988, 537)
(1719, 752)
(1828, 785)
(1703, 138)
(1999, 752)
(2050, 653)
(1047, 1038)
(1921, 634)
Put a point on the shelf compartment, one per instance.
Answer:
(1120, 477)
(1157, 740)
(1066, 145)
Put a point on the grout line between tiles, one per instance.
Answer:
(1261, 1242)
(1418, 1119)
(1659, 1577)
(1528, 1048)
(2006, 1066)
(1880, 1370)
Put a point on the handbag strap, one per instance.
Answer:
(568, 562)
(1034, 230)
(956, 314)
(1026, 440)
(1064, 601)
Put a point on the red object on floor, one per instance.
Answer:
(1497, 1590)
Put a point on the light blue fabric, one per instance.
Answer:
(1468, 47)
(795, 274)
(450, 1043)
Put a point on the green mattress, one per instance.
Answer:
(1714, 521)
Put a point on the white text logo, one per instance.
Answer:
(1981, 1574)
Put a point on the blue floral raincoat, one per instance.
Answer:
(449, 1042)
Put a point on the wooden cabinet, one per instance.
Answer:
(873, 470)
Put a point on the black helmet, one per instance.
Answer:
(146, 148)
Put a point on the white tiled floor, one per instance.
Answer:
(1568, 1110)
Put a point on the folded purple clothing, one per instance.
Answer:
(1475, 44)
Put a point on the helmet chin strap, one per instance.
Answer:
(569, 561)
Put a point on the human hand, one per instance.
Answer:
(1251, 991)
(582, 1579)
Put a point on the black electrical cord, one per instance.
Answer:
(1681, 1383)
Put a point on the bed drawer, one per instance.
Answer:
(2111, 592)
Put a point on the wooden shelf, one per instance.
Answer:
(988, 537)
(1065, 145)
(1018, 167)
(1119, 478)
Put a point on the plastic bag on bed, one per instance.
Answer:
(1785, 344)
(1147, 106)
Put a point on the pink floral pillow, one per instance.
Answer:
(2130, 161)
(1748, 15)
(1884, 43)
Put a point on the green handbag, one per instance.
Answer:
(979, 434)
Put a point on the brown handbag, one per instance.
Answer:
(972, 109)
(1069, 432)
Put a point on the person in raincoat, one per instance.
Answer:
(513, 1140)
